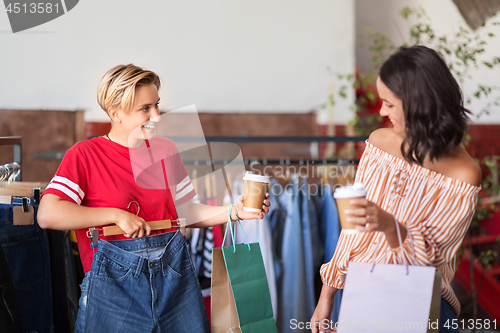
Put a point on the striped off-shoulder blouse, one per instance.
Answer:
(436, 210)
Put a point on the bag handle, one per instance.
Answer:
(400, 245)
(233, 231)
(393, 199)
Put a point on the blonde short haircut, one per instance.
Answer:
(117, 87)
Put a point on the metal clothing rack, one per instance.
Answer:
(16, 142)
(282, 161)
(257, 139)
(279, 138)
(274, 139)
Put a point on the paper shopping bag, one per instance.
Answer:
(240, 301)
(390, 298)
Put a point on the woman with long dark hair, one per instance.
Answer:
(418, 178)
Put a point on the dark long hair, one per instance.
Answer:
(435, 118)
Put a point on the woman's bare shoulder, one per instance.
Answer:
(387, 140)
(460, 165)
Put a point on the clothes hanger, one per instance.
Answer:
(113, 230)
(9, 188)
(9, 174)
(208, 190)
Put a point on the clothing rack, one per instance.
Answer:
(16, 142)
(274, 139)
(285, 161)
(9, 171)
(257, 139)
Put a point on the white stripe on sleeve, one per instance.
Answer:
(183, 183)
(70, 184)
(181, 194)
(66, 191)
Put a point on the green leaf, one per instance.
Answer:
(371, 95)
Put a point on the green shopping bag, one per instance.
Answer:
(240, 301)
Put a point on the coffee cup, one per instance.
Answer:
(254, 191)
(343, 195)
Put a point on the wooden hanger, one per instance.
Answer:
(23, 184)
(155, 225)
(208, 190)
(229, 183)
(194, 180)
(18, 190)
(113, 230)
(24, 213)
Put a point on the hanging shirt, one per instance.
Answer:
(102, 173)
(436, 210)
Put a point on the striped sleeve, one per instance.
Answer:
(184, 191)
(69, 182)
(183, 188)
(437, 237)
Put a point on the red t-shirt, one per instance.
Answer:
(102, 173)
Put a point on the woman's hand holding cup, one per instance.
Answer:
(357, 214)
(367, 216)
(243, 214)
(253, 204)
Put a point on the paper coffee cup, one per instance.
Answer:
(254, 192)
(343, 195)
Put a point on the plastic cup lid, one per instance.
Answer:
(256, 178)
(350, 191)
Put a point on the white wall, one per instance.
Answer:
(221, 55)
(383, 16)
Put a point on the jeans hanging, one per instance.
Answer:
(144, 284)
(10, 312)
(26, 252)
(64, 281)
(297, 290)
(312, 235)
